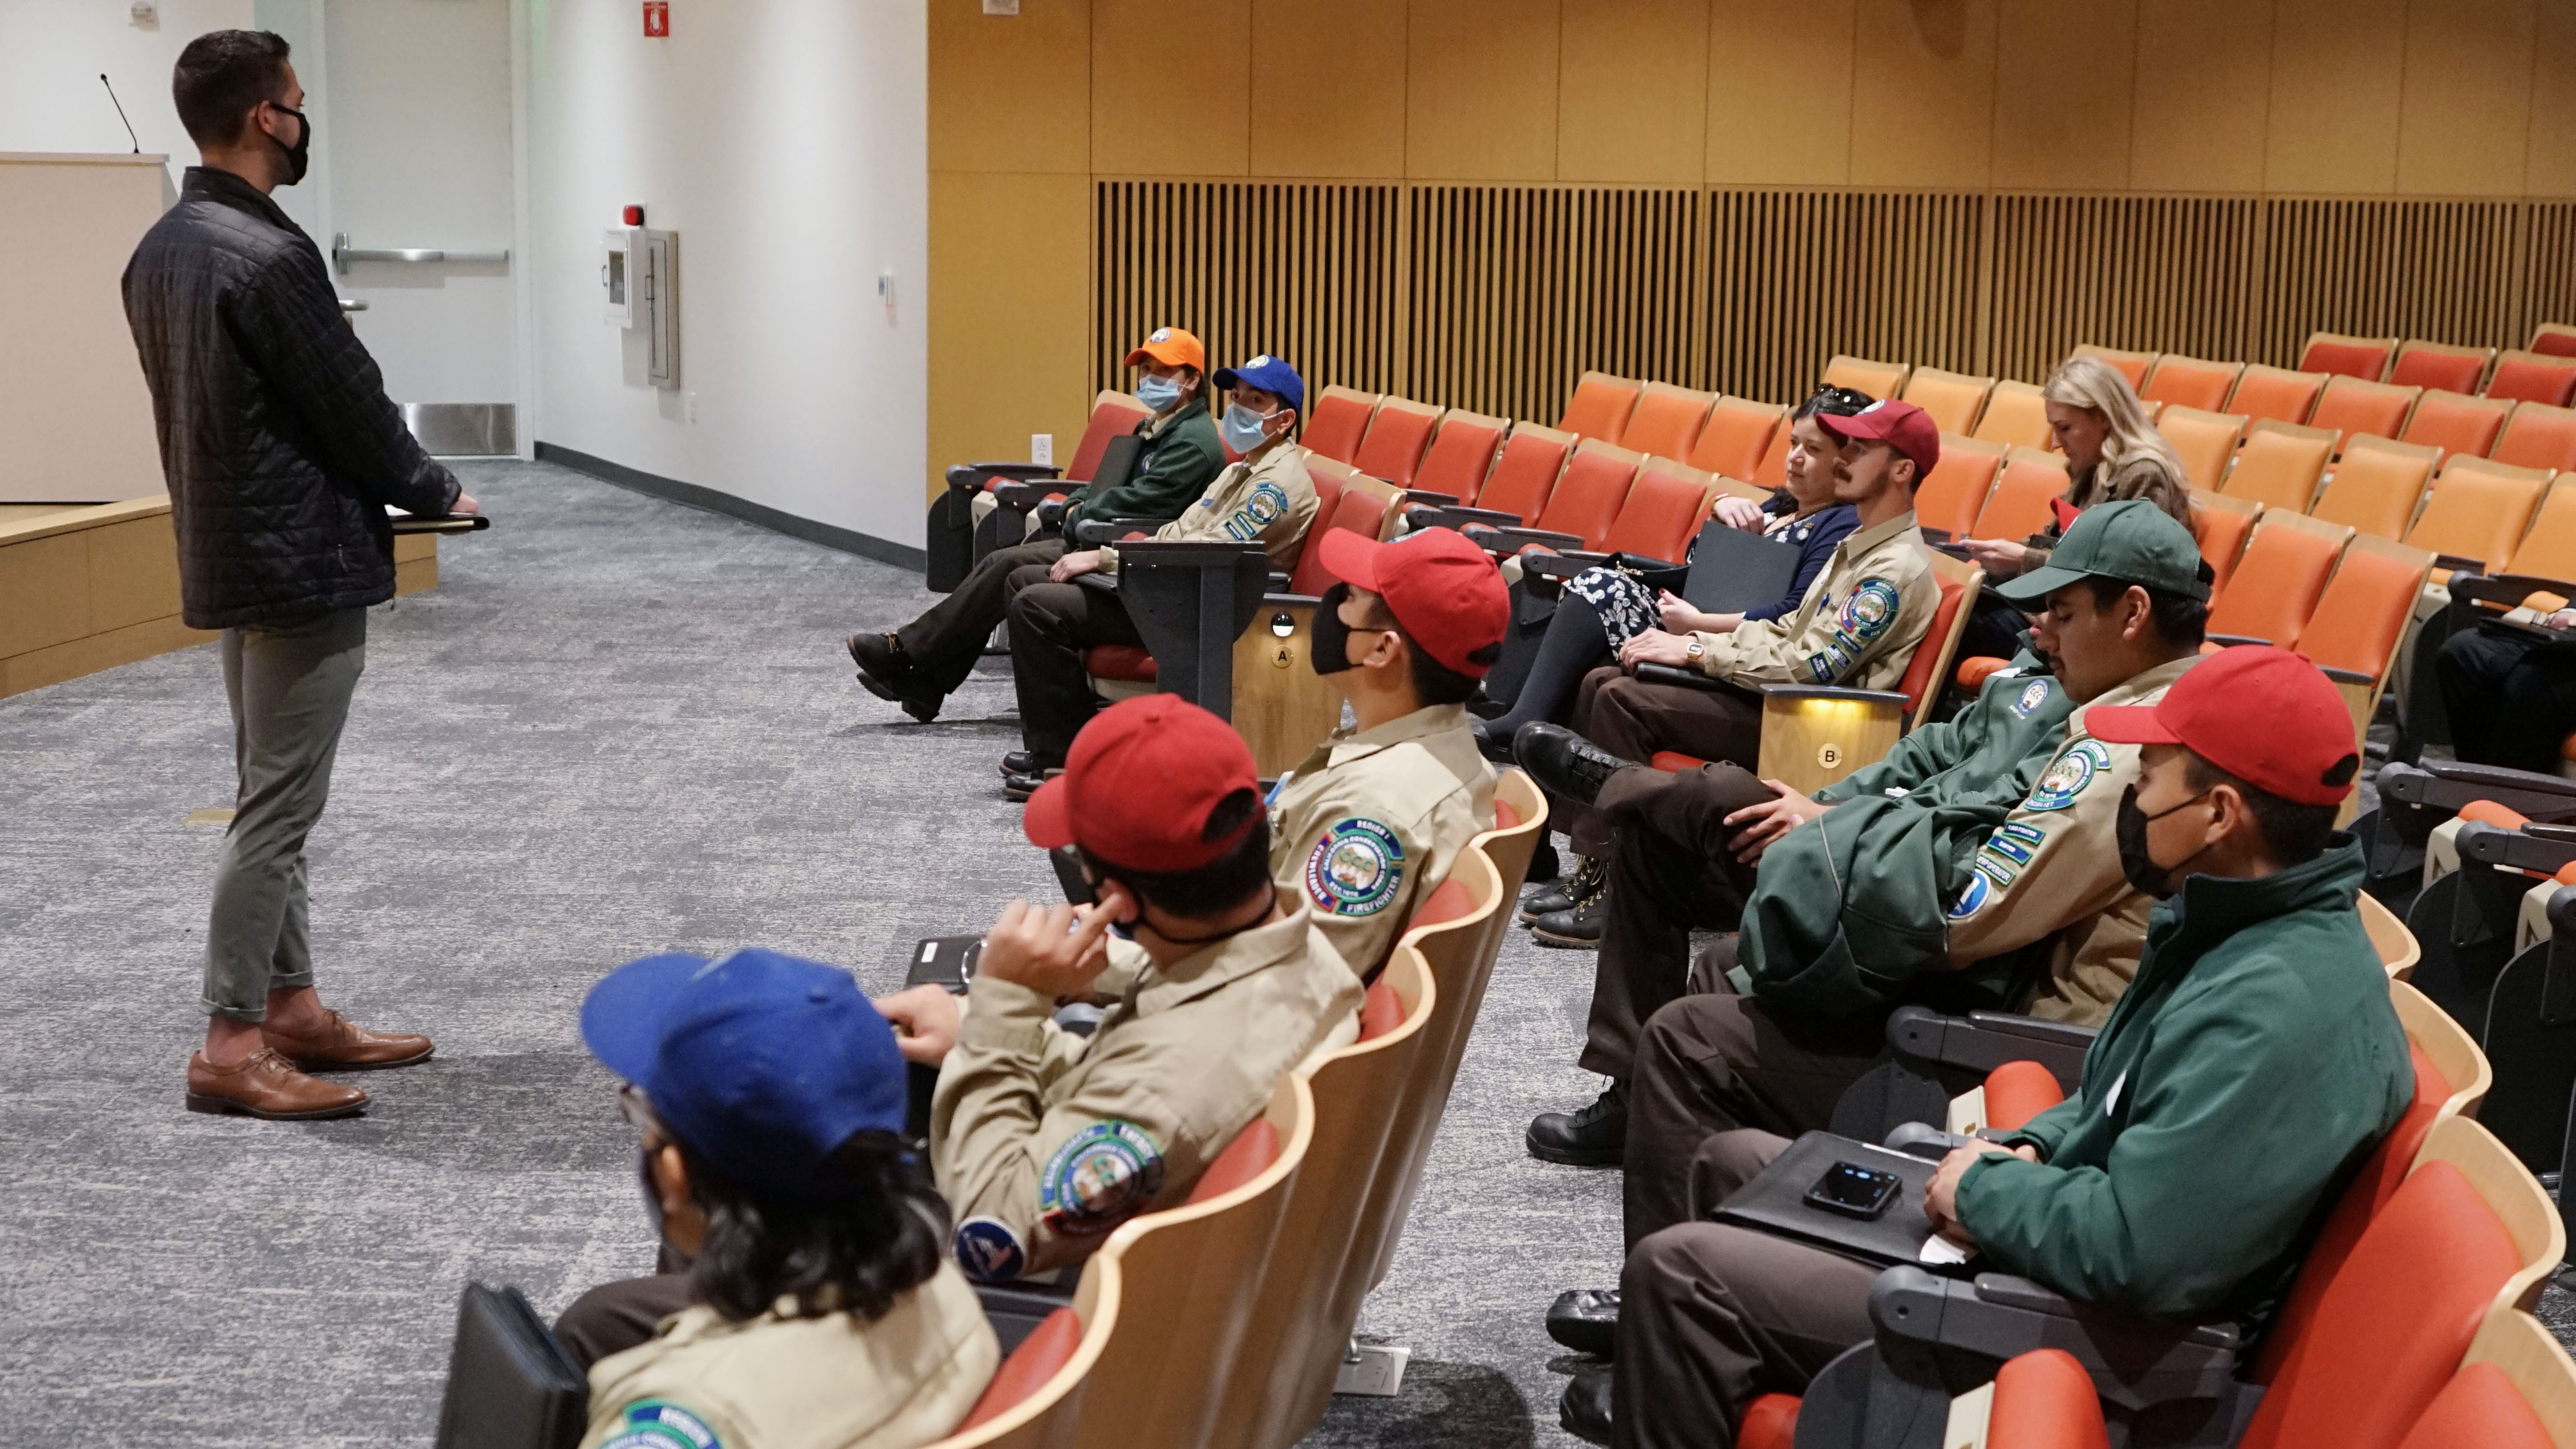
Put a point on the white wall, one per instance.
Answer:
(786, 141)
(53, 51)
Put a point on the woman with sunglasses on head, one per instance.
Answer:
(1604, 608)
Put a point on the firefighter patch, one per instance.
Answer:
(2033, 695)
(1355, 869)
(988, 1250)
(1870, 610)
(661, 1424)
(1261, 510)
(1102, 1176)
(1971, 899)
(2067, 775)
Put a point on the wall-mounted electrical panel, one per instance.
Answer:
(639, 278)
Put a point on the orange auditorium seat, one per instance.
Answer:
(2556, 339)
(1392, 447)
(1954, 399)
(2280, 465)
(2132, 365)
(2476, 512)
(1881, 380)
(2016, 416)
(1599, 407)
(1666, 421)
(1586, 501)
(1340, 420)
(2191, 382)
(2362, 357)
(2276, 583)
(2533, 377)
(2276, 393)
(2438, 365)
(2206, 440)
(1462, 449)
(1525, 472)
(2348, 406)
(2456, 423)
(1951, 498)
(2219, 525)
(2377, 486)
(2538, 436)
(1738, 431)
(2018, 507)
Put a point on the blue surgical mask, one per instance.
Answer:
(1162, 394)
(1243, 428)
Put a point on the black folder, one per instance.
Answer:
(1732, 570)
(1775, 1201)
(511, 1384)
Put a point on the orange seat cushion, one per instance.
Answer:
(1036, 1360)
(1505, 817)
(1447, 902)
(1770, 1422)
(2479, 1406)
(1973, 673)
(1673, 762)
(2019, 1091)
(1380, 1012)
(1126, 663)
(2488, 812)
(2045, 1400)
(1254, 1148)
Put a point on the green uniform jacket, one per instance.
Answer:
(1180, 458)
(1870, 880)
(2248, 1069)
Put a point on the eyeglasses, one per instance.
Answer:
(1828, 395)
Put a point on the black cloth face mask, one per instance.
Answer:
(300, 155)
(1332, 651)
(2151, 879)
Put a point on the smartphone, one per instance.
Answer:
(1854, 1191)
(1068, 874)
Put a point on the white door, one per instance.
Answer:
(411, 108)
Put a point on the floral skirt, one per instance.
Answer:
(1626, 606)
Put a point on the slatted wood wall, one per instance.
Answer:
(1497, 297)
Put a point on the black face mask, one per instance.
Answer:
(299, 155)
(2130, 830)
(1332, 651)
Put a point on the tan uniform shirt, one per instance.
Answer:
(1368, 824)
(1857, 625)
(1267, 499)
(2052, 870)
(1044, 1142)
(800, 1383)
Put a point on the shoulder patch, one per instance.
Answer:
(2033, 695)
(1355, 869)
(1267, 503)
(1972, 899)
(1102, 1176)
(1870, 609)
(2010, 848)
(2067, 775)
(988, 1250)
(661, 1424)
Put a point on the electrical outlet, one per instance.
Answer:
(692, 409)
(1042, 448)
(145, 13)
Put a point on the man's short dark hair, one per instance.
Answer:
(221, 75)
(1433, 681)
(2293, 833)
(2181, 622)
(881, 1235)
(1216, 887)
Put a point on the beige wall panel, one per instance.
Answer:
(1328, 95)
(2550, 169)
(1010, 92)
(2203, 92)
(1020, 291)
(2065, 83)
(93, 652)
(133, 572)
(2465, 122)
(1923, 93)
(2337, 70)
(44, 592)
(1780, 92)
(1171, 87)
(1480, 90)
(73, 407)
(1632, 93)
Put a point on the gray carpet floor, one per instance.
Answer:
(618, 726)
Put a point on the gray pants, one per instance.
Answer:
(289, 686)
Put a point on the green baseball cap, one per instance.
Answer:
(2132, 541)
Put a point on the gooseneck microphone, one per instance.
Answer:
(120, 112)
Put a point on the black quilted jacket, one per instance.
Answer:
(276, 436)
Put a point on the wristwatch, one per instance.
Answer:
(1697, 653)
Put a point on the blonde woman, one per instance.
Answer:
(2112, 452)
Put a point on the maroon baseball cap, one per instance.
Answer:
(1139, 784)
(2264, 715)
(1901, 425)
(1444, 591)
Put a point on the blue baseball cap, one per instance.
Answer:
(1270, 375)
(760, 1063)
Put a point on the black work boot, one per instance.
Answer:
(1586, 1320)
(1564, 762)
(887, 672)
(1569, 891)
(1578, 927)
(1584, 1412)
(1595, 1137)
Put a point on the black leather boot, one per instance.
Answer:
(1569, 892)
(1584, 1412)
(1586, 1320)
(1597, 1136)
(1564, 762)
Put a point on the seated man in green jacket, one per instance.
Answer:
(2252, 1063)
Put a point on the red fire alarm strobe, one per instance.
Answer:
(657, 19)
(634, 216)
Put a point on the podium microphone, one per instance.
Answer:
(120, 112)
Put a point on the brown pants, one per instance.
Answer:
(1713, 1316)
(944, 643)
(1053, 626)
(1633, 720)
(1668, 871)
(615, 1317)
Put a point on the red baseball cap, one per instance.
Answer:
(1139, 783)
(2261, 714)
(1901, 425)
(1445, 591)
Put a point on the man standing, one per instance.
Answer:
(281, 452)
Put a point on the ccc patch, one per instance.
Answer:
(1355, 869)
(1870, 610)
(1268, 501)
(661, 1424)
(2032, 695)
(988, 1250)
(2067, 775)
(1102, 1176)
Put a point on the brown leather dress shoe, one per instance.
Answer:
(344, 1046)
(264, 1085)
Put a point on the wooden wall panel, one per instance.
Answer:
(1780, 92)
(2548, 269)
(1307, 273)
(1328, 94)
(1923, 93)
(1010, 93)
(2438, 270)
(2146, 273)
(2337, 71)
(1632, 92)
(1480, 90)
(1171, 87)
(2064, 90)
(2465, 113)
(2203, 95)
(1019, 289)
(1797, 276)
(2550, 169)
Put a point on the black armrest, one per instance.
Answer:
(2546, 849)
(1284, 599)
(2230, 641)
(1562, 565)
(1984, 1040)
(1023, 472)
(1936, 536)
(2459, 563)
(2503, 592)
(1278, 582)
(1105, 583)
(1097, 531)
(1671, 674)
(2347, 676)
(1023, 496)
(2440, 787)
(1513, 540)
(1922, 1139)
(2136, 1362)
(1422, 497)
(441, 522)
